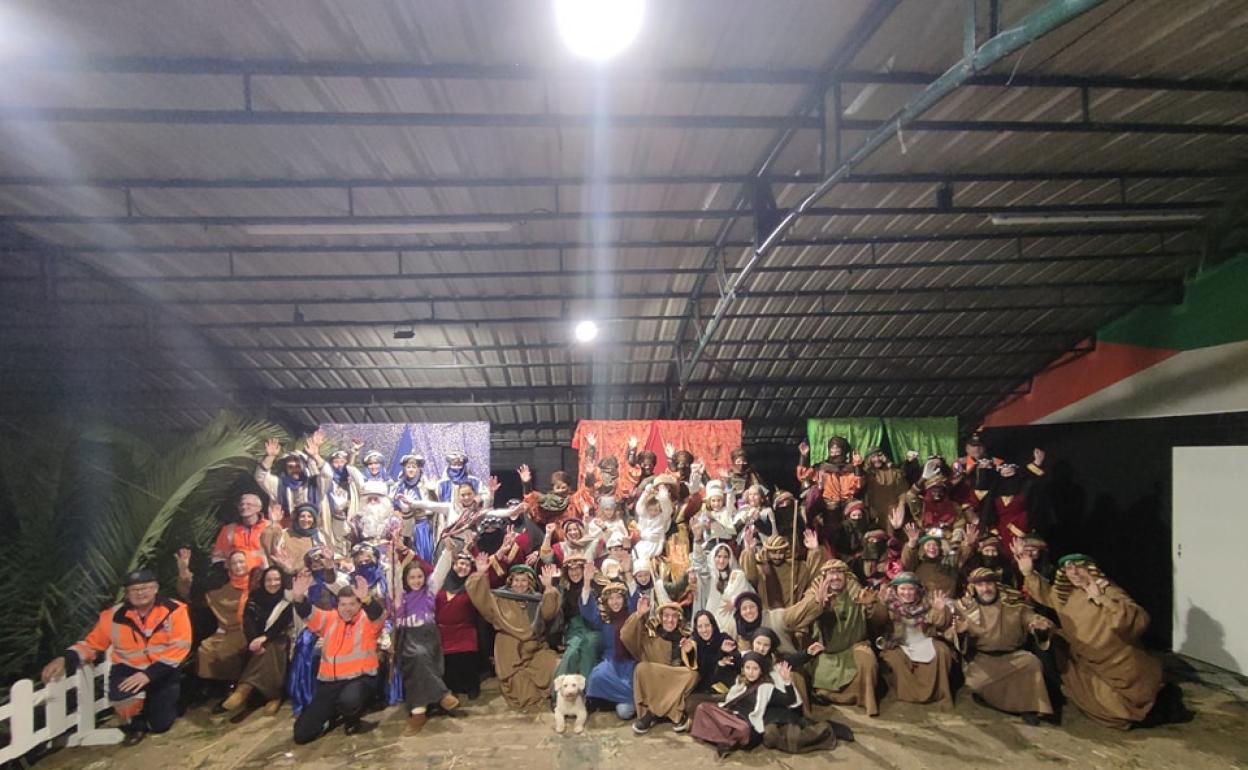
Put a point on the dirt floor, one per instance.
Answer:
(486, 734)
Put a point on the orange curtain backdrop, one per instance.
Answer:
(711, 441)
(612, 436)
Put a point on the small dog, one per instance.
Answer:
(570, 702)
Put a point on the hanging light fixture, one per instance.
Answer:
(598, 29)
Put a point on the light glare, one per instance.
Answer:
(586, 331)
(598, 29)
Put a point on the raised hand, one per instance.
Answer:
(786, 672)
(1021, 558)
(912, 533)
(277, 514)
(643, 602)
(591, 570)
(856, 458)
(183, 558)
(939, 597)
(550, 530)
(632, 442)
(272, 447)
(494, 484)
(1093, 588)
(867, 596)
(591, 439)
(357, 444)
(912, 455)
(729, 646)
(532, 558)
(360, 589)
(803, 449)
(972, 533)
(526, 475)
(810, 539)
(482, 562)
(686, 645)
(749, 538)
(550, 574)
(815, 648)
(669, 450)
(697, 468)
(300, 585)
(586, 508)
(897, 516)
(822, 587)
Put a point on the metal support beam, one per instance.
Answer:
(1041, 80)
(1058, 127)
(244, 117)
(1032, 27)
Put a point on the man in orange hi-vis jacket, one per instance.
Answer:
(347, 676)
(147, 638)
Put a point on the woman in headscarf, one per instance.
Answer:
(718, 661)
(581, 643)
(720, 582)
(221, 656)
(419, 644)
(457, 627)
(646, 581)
(302, 536)
(747, 617)
(1107, 674)
(266, 624)
(756, 700)
(754, 511)
(611, 680)
(914, 649)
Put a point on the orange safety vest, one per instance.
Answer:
(164, 636)
(350, 649)
(236, 537)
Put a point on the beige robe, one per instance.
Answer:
(1108, 674)
(222, 655)
(923, 682)
(658, 686)
(523, 662)
(884, 489)
(1008, 677)
(935, 575)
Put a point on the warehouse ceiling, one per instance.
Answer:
(361, 210)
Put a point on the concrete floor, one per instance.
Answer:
(489, 735)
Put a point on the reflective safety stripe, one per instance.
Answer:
(349, 650)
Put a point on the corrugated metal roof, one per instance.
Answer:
(890, 298)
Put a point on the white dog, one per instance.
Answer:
(570, 702)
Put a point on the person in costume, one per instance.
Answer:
(716, 519)
(654, 517)
(525, 664)
(741, 476)
(611, 679)
(747, 616)
(574, 541)
(376, 520)
(375, 468)
(719, 582)
(828, 486)
(220, 656)
(580, 642)
(258, 539)
(716, 659)
(420, 512)
(766, 642)
(601, 478)
(340, 486)
(985, 551)
(839, 615)
(854, 526)
(607, 520)
(302, 536)
(146, 638)
(925, 556)
(871, 567)
(457, 474)
(294, 479)
(647, 580)
(1106, 672)
(267, 619)
(884, 485)
(641, 469)
(687, 470)
(929, 497)
(547, 507)
(754, 515)
(914, 649)
(463, 664)
(1008, 509)
(349, 667)
(665, 673)
(418, 641)
(755, 702)
(995, 624)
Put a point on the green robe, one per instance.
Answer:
(839, 626)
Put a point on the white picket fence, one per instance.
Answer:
(26, 698)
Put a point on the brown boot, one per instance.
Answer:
(271, 708)
(416, 722)
(238, 698)
(449, 702)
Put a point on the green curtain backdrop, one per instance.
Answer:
(863, 434)
(927, 435)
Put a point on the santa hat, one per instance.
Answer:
(715, 488)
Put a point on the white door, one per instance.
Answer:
(1209, 532)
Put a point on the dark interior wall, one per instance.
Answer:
(1112, 493)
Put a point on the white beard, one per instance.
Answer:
(375, 519)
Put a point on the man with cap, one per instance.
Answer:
(854, 524)
(779, 583)
(871, 567)
(147, 637)
(839, 614)
(985, 550)
(1107, 673)
(994, 626)
(523, 661)
(914, 648)
(666, 662)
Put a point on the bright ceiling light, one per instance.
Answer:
(378, 228)
(598, 29)
(586, 331)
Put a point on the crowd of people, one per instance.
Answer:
(710, 604)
